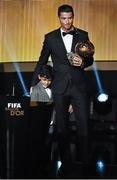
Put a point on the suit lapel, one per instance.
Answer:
(43, 92)
(74, 43)
(60, 42)
(75, 40)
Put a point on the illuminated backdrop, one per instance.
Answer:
(23, 24)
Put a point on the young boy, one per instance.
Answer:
(39, 127)
(42, 91)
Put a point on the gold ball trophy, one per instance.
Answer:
(83, 49)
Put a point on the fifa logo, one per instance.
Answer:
(14, 105)
(15, 109)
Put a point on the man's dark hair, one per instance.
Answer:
(46, 71)
(65, 8)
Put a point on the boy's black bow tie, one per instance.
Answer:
(70, 32)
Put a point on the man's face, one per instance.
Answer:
(45, 82)
(66, 20)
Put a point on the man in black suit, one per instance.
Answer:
(69, 82)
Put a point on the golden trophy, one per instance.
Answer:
(83, 49)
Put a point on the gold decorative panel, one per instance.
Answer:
(23, 24)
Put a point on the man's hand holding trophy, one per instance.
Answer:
(83, 50)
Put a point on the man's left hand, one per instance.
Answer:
(77, 60)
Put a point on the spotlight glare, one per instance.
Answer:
(100, 164)
(100, 167)
(58, 164)
(27, 94)
(102, 97)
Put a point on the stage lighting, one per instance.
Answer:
(27, 94)
(103, 104)
(58, 164)
(100, 166)
(102, 97)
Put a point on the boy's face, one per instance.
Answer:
(45, 82)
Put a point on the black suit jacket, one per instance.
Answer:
(53, 45)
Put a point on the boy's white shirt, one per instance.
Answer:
(49, 92)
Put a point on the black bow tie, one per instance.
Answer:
(70, 32)
(46, 87)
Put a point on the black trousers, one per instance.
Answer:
(80, 103)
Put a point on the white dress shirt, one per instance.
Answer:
(49, 92)
(67, 41)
